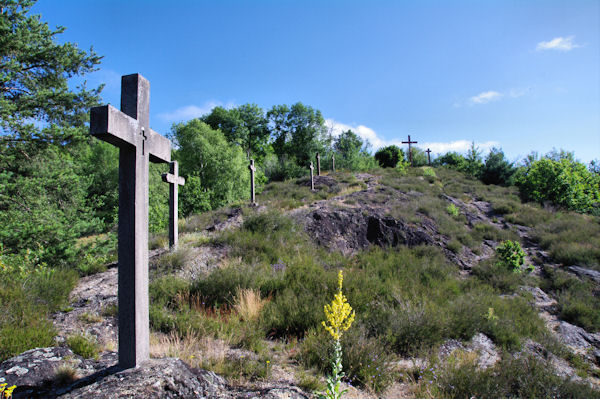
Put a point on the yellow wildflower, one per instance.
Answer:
(339, 313)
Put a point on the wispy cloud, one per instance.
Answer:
(491, 96)
(485, 97)
(559, 44)
(191, 111)
(366, 133)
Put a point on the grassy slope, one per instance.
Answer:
(408, 301)
(267, 297)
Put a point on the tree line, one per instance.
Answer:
(57, 183)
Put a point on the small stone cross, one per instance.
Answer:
(318, 164)
(174, 181)
(129, 130)
(312, 178)
(252, 169)
(428, 156)
(333, 162)
(409, 149)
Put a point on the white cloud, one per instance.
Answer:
(191, 111)
(460, 146)
(366, 133)
(559, 44)
(485, 97)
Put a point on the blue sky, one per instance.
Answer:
(520, 75)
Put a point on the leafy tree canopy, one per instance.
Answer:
(497, 170)
(217, 169)
(299, 132)
(562, 181)
(34, 70)
(352, 153)
(246, 126)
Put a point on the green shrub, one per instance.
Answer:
(388, 157)
(511, 256)
(452, 210)
(512, 377)
(562, 181)
(498, 276)
(83, 346)
(27, 297)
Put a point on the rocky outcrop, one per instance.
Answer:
(37, 374)
(582, 272)
(481, 344)
(352, 229)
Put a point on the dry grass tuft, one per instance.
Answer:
(248, 304)
(65, 374)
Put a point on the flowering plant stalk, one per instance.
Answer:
(340, 317)
(6, 392)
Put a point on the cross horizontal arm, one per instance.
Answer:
(159, 147)
(119, 129)
(171, 178)
(113, 126)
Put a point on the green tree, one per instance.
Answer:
(388, 157)
(497, 170)
(561, 181)
(44, 184)
(34, 73)
(219, 169)
(246, 126)
(419, 157)
(299, 132)
(352, 153)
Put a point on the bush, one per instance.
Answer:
(388, 157)
(27, 296)
(511, 255)
(83, 346)
(512, 377)
(563, 182)
(497, 170)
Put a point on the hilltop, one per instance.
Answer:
(243, 297)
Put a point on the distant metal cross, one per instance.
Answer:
(410, 149)
(428, 156)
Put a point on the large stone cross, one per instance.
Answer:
(410, 149)
(174, 181)
(129, 130)
(428, 156)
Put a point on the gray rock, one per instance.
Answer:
(577, 337)
(102, 379)
(582, 272)
(488, 355)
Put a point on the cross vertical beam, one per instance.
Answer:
(175, 181)
(410, 157)
(252, 169)
(428, 156)
(312, 177)
(318, 164)
(333, 162)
